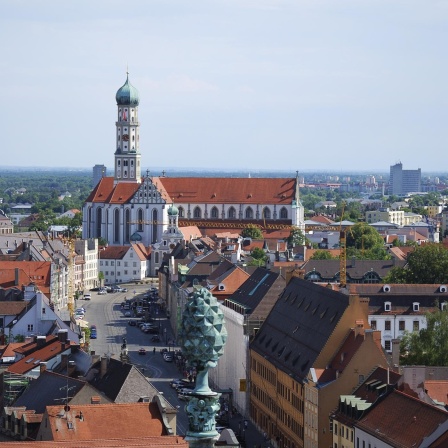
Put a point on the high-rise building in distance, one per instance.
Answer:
(99, 171)
(404, 181)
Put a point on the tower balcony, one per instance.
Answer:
(127, 123)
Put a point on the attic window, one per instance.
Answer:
(300, 303)
(274, 347)
(315, 309)
(280, 352)
(283, 196)
(288, 355)
(296, 359)
(323, 313)
(69, 425)
(214, 195)
(333, 317)
(307, 306)
(387, 306)
(249, 195)
(268, 343)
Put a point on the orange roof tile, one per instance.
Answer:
(437, 390)
(37, 272)
(124, 420)
(230, 190)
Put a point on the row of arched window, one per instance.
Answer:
(232, 214)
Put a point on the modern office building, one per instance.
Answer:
(99, 171)
(403, 181)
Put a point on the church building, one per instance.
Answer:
(131, 207)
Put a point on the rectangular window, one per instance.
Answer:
(118, 263)
(134, 264)
(125, 272)
(401, 325)
(30, 327)
(106, 263)
(387, 325)
(125, 264)
(373, 325)
(387, 345)
(416, 325)
(112, 262)
(43, 310)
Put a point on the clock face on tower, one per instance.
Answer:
(125, 137)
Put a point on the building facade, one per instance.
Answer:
(130, 207)
(403, 181)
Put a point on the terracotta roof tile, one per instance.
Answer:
(12, 308)
(408, 420)
(37, 272)
(230, 190)
(437, 390)
(113, 252)
(124, 420)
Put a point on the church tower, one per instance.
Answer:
(127, 155)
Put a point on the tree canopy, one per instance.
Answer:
(365, 243)
(296, 237)
(429, 346)
(322, 255)
(252, 231)
(426, 264)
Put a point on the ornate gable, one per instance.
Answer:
(147, 193)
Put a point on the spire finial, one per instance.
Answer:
(127, 70)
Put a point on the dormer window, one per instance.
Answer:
(387, 306)
(416, 306)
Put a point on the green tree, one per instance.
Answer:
(259, 257)
(322, 255)
(252, 231)
(429, 346)
(296, 237)
(426, 265)
(364, 237)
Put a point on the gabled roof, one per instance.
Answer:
(121, 381)
(354, 268)
(49, 389)
(12, 308)
(85, 422)
(107, 192)
(401, 420)
(52, 349)
(437, 390)
(229, 280)
(230, 190)
(299, 326)
(18, 273)
(258, 287)
(8, 351)
(114, 252)
(190, 232)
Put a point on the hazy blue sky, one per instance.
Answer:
(224, 84)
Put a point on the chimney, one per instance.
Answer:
(40, 341)
(16, 277)
(103, 366)
(62, 335)
(43, 367)
(64, 362)
(395, 353)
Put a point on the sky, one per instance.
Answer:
(339, 85)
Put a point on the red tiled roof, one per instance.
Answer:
(113, 252)
(230, 190)
(190, 232)
(37, 272)
(12, 308)
(437, 390)
(33, 360)
(124, 420)
(10, 349)
(401, 420)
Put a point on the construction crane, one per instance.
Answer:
(342, 253)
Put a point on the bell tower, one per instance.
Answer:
(127, 154)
